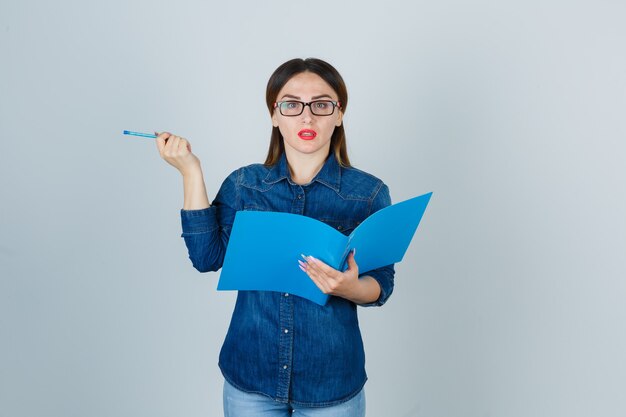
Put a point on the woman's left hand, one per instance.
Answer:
(342, 284)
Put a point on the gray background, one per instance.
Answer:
(510, 301)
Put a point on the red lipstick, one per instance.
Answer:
(307, 134)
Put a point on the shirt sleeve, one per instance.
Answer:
(383, 275)
(206, 232)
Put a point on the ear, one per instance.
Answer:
(339, 119)
(274, 120)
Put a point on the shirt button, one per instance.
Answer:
(340, 227)
(286, 294)
(285, 367)
(300, 197)
(286, 330)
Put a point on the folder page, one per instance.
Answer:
(264, 249)
(383, 238)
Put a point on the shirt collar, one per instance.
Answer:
(329, 175)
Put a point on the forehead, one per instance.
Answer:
(307, 84)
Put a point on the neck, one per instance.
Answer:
(303, 168)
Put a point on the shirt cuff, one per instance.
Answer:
(199, 221)
(384, 277)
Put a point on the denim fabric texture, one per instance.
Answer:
(280, 345)
(244, 404)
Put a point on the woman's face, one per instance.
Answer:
(307, 133)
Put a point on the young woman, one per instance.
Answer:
(283, 353)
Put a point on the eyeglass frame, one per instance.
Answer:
(336, 104)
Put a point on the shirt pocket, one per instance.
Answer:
(344, 226)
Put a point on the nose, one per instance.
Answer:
(306, 113)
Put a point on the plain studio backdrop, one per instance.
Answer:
(510, 300)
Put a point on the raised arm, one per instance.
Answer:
(206, 227)
(176, 151)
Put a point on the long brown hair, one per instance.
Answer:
(277, 81)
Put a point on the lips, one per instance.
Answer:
(307, 134)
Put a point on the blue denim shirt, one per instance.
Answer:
(278, 344)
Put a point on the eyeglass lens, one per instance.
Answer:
(295, 108)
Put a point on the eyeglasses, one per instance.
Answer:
(318, 107)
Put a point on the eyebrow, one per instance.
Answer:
(312, 98)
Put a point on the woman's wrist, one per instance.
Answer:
(195, 195)
(366, 290)
(192, 171)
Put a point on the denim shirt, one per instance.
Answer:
(278, 344)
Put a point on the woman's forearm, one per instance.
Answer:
(367, 291)
(195, 195)
(176, 151)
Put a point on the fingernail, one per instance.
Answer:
(304, 257)
(302, 264)
(303, 269)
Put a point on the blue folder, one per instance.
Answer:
(264, 247)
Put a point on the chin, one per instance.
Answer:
(307, 146)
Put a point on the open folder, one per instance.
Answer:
(264, 247)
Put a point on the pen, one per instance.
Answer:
(143, 135)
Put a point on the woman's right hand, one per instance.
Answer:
(177, 152)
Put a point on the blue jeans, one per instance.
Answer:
(238, 403)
